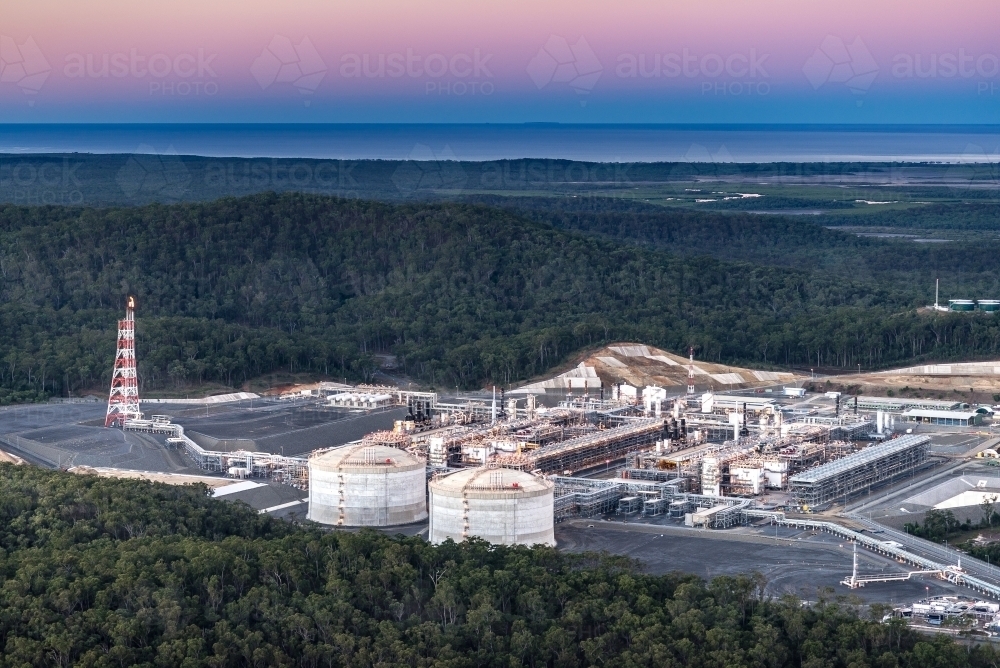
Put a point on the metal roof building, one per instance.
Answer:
(723, 403)
(948, 418)
(901, 404)
(859, 471)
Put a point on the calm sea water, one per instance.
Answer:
(603, 143)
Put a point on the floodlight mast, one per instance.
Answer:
(123, 401)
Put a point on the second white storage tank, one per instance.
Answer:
(502, 506)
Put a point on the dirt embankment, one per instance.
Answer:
(969, 389)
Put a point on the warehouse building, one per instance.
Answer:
(945, 418)
(900, 404)
(722, 404)
(859, 471)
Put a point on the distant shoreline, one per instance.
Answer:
(640, 143)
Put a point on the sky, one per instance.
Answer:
(477, 61)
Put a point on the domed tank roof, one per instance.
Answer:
(486, 482)
(363, 456)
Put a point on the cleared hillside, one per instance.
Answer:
(641, 366)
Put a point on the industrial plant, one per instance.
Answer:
(504, 467)
(710, 448)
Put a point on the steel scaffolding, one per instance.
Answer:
(582, 497)
(586, 497)
(858, 471)
(589, 450)
(292, 471)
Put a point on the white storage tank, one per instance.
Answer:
(367, 485)
(502, 506)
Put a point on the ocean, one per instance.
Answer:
(596, 143)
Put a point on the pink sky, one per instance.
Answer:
(232, 34)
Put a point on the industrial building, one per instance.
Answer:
(366, 485)
(968, 305)
(647, 493)
(723, 404)
(961, 305)
(859, 471)
(363, 400)
(590, 449)
(502, 506)
(947, 418)
(747, 466)
(900, 404)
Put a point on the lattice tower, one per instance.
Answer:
(123, 402)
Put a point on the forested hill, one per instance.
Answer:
(102, 572)
(793, 241)
(462, 294)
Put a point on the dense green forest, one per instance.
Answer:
(124, 179)
(793, 241)
(103, 572)
(983, 216)
(80, 179)
(462, 293)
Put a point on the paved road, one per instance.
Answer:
(795, 562)
(935, 552)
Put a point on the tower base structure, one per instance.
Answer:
(123, 402)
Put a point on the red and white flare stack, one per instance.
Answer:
(123, 403)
